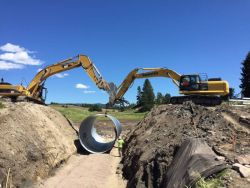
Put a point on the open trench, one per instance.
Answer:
(91, 170)
(41, 140)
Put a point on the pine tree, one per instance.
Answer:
(148, 97)
(138, 96)
(167, 98)
(245, 79)
(231, 92)
(159, 98)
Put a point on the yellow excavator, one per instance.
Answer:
(37, 92)
(194, 87)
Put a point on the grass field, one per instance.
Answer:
(77, 114)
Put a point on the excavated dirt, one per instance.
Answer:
(150, 147)
(239, 114)
(34, 140)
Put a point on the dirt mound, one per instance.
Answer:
(34, 139)
(151, 146)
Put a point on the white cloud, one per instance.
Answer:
(89, 91)
(38, 70)
(7, 66)
(20, 58)
(81, 86)
(85, 87)
(12, 48)
(61, 75)
(15, 55)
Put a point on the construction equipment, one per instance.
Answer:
(194, 87)
(37, 92)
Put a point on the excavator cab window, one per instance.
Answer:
(190, 82)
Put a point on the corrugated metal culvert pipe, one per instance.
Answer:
(91, 140)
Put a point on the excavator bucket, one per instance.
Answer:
(112, 92)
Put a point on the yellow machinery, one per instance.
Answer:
(194, 88)
(34, 91)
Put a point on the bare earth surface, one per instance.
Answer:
(88, 171)
(151, 146)
(34, 140)
(37, 140)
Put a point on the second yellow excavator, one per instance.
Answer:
(195, 87)
(35, 90)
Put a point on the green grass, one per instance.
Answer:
(77, 114)
(215, 182)
(1, 105)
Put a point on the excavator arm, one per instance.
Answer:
(146, 73)
(35, 88)
(71, 63)
(79, 61)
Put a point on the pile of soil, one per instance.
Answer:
(240, 114)
(34, 139)
(151, 146)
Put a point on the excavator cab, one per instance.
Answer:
(193, 82)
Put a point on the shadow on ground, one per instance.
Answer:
(79, 148)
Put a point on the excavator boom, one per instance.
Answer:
(142, 73)
(35, 88)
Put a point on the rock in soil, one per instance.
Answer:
(193, 160)
(243, 170)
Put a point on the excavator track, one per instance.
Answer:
(28, 99)
(197, 99)
(21, 98)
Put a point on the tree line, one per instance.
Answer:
(146, 98)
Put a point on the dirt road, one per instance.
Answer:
(87, 171)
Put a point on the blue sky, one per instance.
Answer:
(194, 36)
